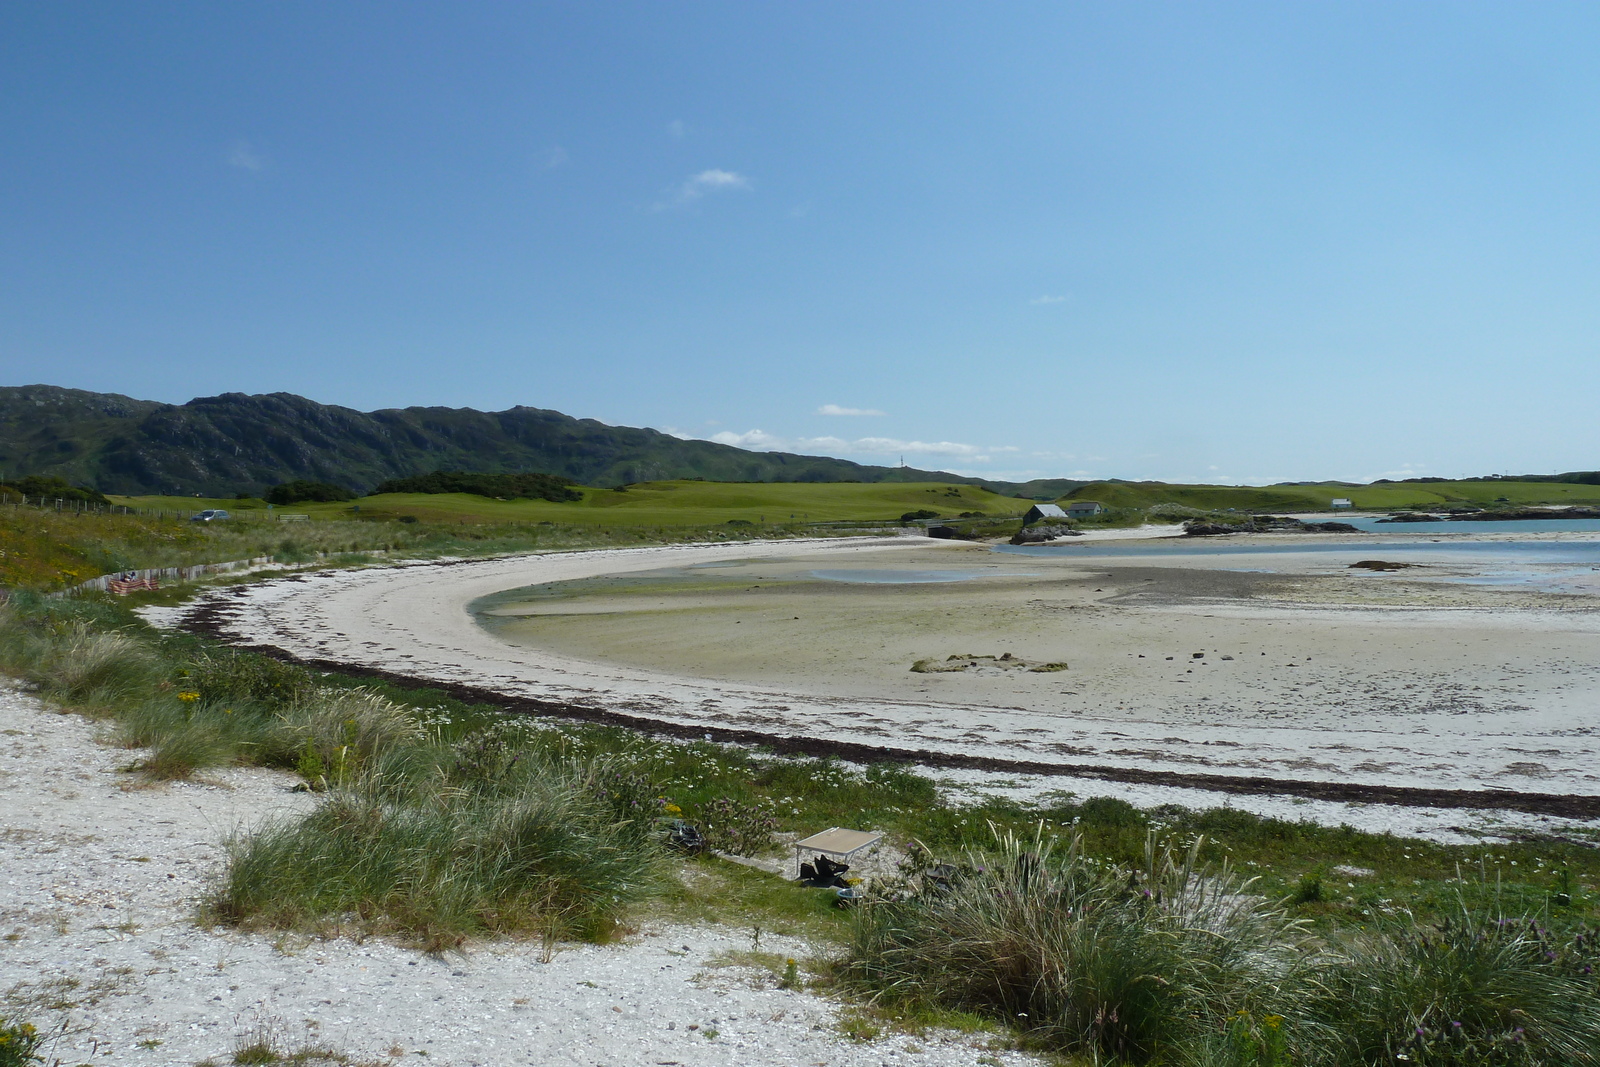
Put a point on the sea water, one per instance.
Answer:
(1550, 566)
(1473, 526)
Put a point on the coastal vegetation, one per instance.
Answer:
(646, 506)
(300, 492)
(37, 488)
(1083, 926)
(503, 486)
(46, 549)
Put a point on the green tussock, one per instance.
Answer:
(1169, 961)
(544, 850)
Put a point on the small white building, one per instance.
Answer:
(1081, 509)
(1342, 502)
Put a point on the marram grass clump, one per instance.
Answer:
(1473, 989)
(1079, 954)
(538, 848)
(1171, 963)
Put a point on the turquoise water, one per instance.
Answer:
(1528, 551)
(1551, 566)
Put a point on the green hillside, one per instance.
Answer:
(223, 445)
(650, 504)
(1379, 496)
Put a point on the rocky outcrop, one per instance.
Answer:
(1263, 524)
(1529, 513)
(1038, 535)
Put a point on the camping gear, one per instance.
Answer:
(836, 843)
(823, 873)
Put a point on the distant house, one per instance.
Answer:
(1043, 511)
(1082, 509)
(1342, 502)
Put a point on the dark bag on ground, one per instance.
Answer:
(823, 873)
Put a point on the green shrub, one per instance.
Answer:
(73, 660)
(224, 676)
(486, 759)
(343, 729)
(1474, 990)
(1083, 955)
(547, 858)
(303, 491)
(50, 488)
(178, 753)
(1309, 889)
(19, 1043)
(738, 827)
(510, 486)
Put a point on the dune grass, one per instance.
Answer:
(1167, 961)
(1079, 954)
(545, 854)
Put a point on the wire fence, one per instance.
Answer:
(86, 507)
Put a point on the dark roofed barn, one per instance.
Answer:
(1043, 511)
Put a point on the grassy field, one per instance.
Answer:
(1386, 497)
(677, 504)
(649, 504)
(42, 548)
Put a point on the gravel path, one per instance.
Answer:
(99, 880)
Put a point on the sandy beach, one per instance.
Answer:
(98, 903)
(1271, 662)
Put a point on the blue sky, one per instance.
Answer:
(1197, 241)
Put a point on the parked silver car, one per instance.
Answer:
(210, 515)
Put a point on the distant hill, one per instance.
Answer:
(237, 443)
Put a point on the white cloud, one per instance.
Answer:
(835, 409)
(556, 157)
(760, 440)
(714, 180)
(245, 157)
(1039, 300)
